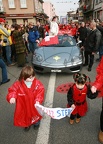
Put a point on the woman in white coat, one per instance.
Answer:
(53, 27)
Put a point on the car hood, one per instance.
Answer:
(57, 55)
(49, 51)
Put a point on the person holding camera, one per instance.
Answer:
(4, 35)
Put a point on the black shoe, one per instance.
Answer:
(27, 128)
(85, 64)
(36, 126)
(98, 60)
(89, 69)
(5, 82)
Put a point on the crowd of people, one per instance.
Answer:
(19, 40)
(16, 41)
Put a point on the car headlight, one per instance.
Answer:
(37, 57)
(76, 58)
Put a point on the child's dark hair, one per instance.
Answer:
(80, 78)
(26, 72)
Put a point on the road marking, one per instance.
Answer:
(44, 129)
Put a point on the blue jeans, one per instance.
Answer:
(4, 71)
(32, 46)
(8, 54)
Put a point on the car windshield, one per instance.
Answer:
(58, 41)
(66, 41)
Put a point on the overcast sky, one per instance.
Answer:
(63, 6)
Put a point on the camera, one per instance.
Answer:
(5, 40)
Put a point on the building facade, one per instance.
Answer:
(21, 11)
(49, 9)
(90, 9)
(72, 16)
(86, 8)
(80, 10)
(98, 10)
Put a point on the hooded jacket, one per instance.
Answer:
(25, 111)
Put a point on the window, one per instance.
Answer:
(1, 6)
(23, 4)
(11, 3)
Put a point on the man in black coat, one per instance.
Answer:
(100, 28)
(91, 45)
(40, 30)
(82, 33)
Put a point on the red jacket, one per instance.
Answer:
(99, 77)
(25, 111)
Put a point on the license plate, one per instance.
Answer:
(55, 70)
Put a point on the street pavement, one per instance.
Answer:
(59, 131)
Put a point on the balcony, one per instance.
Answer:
(87, 8)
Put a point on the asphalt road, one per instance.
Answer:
(51, 131)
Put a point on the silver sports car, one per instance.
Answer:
(65, 56)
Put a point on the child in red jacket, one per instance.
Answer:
(25, 93)
(76, 97)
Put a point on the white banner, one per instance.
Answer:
(55, 113)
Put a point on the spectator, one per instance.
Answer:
(13, 51)
(19, 45)
(33, 37)
(91, 45)
(4, 35)
(40, 30)
(82, 33)
(100, 28)
(25, 37)
(3, 67)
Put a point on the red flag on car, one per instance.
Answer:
(49, 40)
